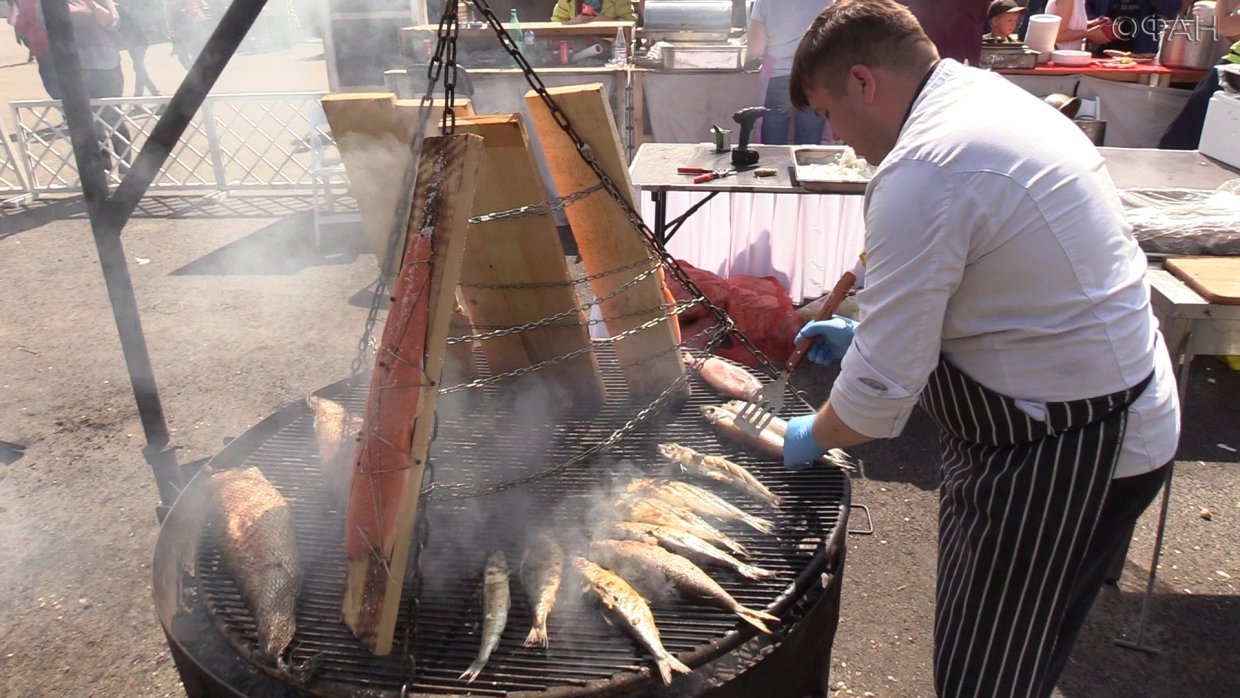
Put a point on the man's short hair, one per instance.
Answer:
(875, 33)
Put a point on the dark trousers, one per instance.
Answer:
(102, 84)
(141, 78)
(1184, 133)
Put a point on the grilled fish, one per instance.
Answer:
(255, 538)
(652, 510)
(718, 469)
(541, 570)
(728, 378)
(698, 500)
(653, 568)
(775, 432)
(495, 603)
(624, 605)
(685, 544)
(337, 431)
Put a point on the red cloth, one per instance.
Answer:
(955, 26)
(30, 29)
(760, 307)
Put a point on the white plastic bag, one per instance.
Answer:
(1185, 221)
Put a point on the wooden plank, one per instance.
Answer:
(605, 237)
(400, 415)
(518, 252)
(374, 132)
(1216, 279)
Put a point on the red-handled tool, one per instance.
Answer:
(704, 174)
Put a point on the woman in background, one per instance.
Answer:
(1075, 26)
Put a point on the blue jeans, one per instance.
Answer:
(807, 126)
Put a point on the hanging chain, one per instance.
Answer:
(544, 208)
(587, 154)
(441, 491)
(575, 281)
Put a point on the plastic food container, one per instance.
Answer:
(1070, 57)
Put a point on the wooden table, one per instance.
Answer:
(654, 170)
(1145, 73)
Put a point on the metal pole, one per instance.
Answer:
(108, 216)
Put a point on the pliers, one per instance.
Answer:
(705, 174)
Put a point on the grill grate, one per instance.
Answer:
(513, 433)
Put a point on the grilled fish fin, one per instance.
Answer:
(667, 664)
(537, 637)
(762, 525)
(755, 618)
(751, 572)
(472, 672)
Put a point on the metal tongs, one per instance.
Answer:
(770, 400)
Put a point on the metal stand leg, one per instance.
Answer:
(1139, 643)
(660, 216)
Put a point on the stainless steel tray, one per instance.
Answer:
(805, 156)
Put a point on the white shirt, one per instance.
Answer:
(995, 237)
(786, 22)
(1079, 22)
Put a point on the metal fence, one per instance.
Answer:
(11, 180)
(235, 142)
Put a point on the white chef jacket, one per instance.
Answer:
(995, 238)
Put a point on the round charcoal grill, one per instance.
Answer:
(496, 437)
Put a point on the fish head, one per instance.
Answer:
(671, 452)
(497, 567)
(712, 413)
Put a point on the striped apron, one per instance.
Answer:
(1019, 503)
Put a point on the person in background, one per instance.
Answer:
(1137, 24)
(137, 30)
(775, 29)
(1184, 133)
(1075, 26)
(1033, 7)
(94, 31)
(955, 26)
(1003, 16)
(1027, 336)
(578, 11)
(29, 26)
(190, 23)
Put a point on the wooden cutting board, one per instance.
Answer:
(1216, 279)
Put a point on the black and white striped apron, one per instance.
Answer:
(1019, 503)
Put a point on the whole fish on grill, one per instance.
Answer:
(542, 568)
(685, 544)
(255, 539)
(651, 568)
(625, 606)
(768, 442)
(836, 456)
(337, 431)
(718, 469)
(730, 379)
(495, 604)
(653, 510)
(698, 500)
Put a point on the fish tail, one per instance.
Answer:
(762, 525)
(751, 572)
(771, 498)
(667, 664)
(537, 636)
(735, 547)
(755, 618)
(472, 672)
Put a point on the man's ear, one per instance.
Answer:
(862, 78)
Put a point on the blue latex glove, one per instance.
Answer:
(800, 447)
(831, 339)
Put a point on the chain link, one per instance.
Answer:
(537, 324)
(544, 208)
(576, 281)
(440, 491)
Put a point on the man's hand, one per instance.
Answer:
(801, 449)
(831, 339)
(582, 19)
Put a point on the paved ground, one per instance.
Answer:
(242, 314)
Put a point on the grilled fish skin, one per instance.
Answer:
(649, 566)
(647, 509)
(256, 542)
(685, 544)
(699, 501)
(336, 430)
(541, 571)
(718, 469)
(495, 604)
(624, 605)
(777, 425)
(728, 378)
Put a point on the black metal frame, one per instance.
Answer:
(109, 212)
